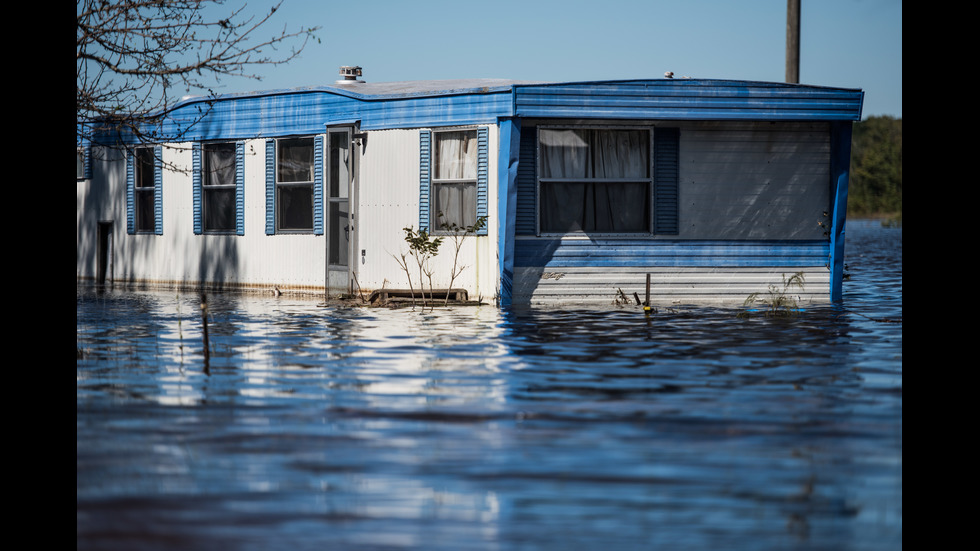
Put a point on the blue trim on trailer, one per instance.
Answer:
(840, 140)
(641, 253)
(508, 166)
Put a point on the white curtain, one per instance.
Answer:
(455, 174)
(456, 157)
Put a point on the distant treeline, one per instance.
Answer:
(875, 187)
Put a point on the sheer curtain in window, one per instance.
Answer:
(454, 181)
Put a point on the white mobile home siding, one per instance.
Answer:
(389, 201)
(180, 258)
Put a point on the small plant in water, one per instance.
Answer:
(423, 248)
(457, 233)
(777, 301)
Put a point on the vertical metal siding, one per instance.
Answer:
(748, 180)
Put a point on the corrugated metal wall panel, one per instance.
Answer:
(709, 285)
(744, 180)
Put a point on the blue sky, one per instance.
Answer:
(844, 43)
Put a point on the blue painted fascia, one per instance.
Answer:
(640, 253)
(688, 99)
(308, 111)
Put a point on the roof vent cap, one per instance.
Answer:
(350, 74)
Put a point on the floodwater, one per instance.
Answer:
(476, 428)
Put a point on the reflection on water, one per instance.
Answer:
(479, 428)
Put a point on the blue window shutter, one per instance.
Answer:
(483, 138)
(88, 162)
(666, 180)
(526, 221)
(196, 188)
(158, 190)
(130, 192)
(425, 157)
(240, 188)
(270, 187)
(318, 185)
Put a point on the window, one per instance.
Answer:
(144, 191)
(294, 193)
(83, 167)
(453, 174)
(594, 180)
(454, 179)
(145, 221)
(219, 188)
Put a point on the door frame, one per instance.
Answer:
(351, 226)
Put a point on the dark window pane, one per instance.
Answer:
(339, 164)
(219, 209)
(144, 167)
(339, 233)
(218, 176)
(295, 160)
(295, 207)
(145, 221)
(621, 207)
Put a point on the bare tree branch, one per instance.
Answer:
(134, 56)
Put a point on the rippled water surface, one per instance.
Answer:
(488, 429)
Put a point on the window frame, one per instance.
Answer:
(649, 181)
(145, 176)
(315, 185)
(83, 162)
(435, 228)
(203, 187)
(428, 184)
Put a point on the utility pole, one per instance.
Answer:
(793, 41)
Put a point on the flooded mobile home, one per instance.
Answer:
(715, 189)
